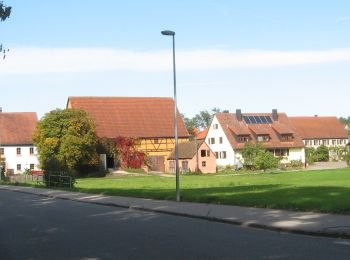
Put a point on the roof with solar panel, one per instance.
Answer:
(275, 129)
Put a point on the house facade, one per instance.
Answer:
(17, 151)
(316, 131)
(150, 120)
(193, 156)
(228, 133)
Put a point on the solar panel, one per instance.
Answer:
(258, 119)
(263, 119)
(251, 118)
(246, 119)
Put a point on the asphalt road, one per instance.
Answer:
(34, 227)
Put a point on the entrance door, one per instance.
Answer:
(157, 163)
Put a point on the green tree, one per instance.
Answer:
(310, 154)
(265, 160)
(5, 11)
(249, 152)
(202, 119)
(66, 140)
(322, 153)
(346, 122)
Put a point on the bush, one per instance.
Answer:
(265, 160)
(322, 153)
(296, 164)
(310, 154)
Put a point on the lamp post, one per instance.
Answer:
(171, 33)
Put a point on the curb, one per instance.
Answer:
(342, 235)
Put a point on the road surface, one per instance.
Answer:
(34, 227)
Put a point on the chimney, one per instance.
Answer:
(274, 115)
(239, 114)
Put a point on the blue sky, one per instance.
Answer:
(253, 55)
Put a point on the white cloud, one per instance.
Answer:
(68, 60)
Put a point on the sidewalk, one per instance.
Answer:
(280, 220)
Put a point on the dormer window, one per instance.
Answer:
(243, 138)
(263, 138)
(287, 137)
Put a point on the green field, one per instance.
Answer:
(322, 191)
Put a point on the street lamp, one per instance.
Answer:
(171, 33)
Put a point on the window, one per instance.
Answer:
(243, 138)
(306, 142)
(334, 142)
(281, 152)
(203, 153)
(215, 126)
(217, 155)
(19, 167)
(31, 150)
(316, 142)
(223, 154)
(289, 137)
(172, 166)
(263, 138)
(156, 140)
(220, 140)
(204, 164)
(208, 153)
(18, 151)
(212, 140)
(2, 151)
(31, 166)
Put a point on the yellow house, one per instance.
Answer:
(148, 119)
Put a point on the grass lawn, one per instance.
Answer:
(322, 191)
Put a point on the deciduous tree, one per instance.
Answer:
(66, 140)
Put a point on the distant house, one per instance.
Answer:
(316, 131)
(229, 132)
(193, 156)
(16, 146)
(150, 120)
(200, 135)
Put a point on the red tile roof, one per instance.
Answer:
(319, 127)
(140, 117)
(17, 128)
(234, 127)
(202, 134)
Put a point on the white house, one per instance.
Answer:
(316, 131)
(17, 151)
(229, 132)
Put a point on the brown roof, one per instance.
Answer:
(319, 127)
(202, 134)
(234, 127)
(187, 150)
(140, 117)
(17, 128)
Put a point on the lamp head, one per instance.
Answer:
(168, 33)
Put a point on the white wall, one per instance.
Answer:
(296, 154)
(25, 159)
(217, 147)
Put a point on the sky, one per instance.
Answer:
(251, 55)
